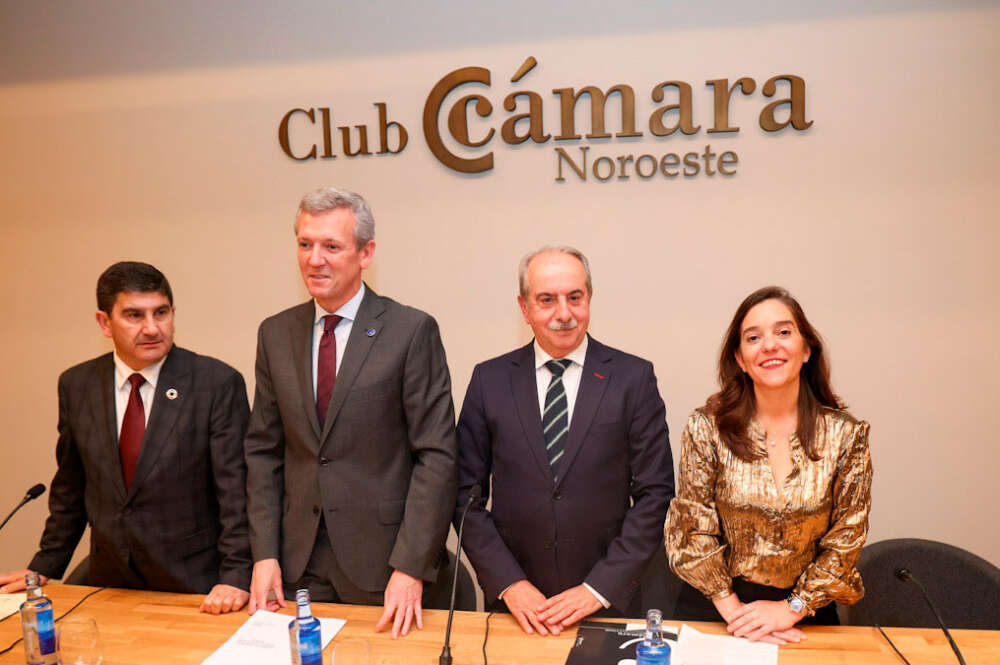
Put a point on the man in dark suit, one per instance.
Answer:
(150, 454)
(351, 445)
(574, 435)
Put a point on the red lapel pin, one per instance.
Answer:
(598, 375)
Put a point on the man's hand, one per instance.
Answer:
(224, 598)
(402, 604)
(763, 618)
(266, 579)
(564, 609)
(14, 581)
(524, 601)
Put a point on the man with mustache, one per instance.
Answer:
(574, 436)
(150, 455)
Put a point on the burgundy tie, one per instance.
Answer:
(326, 367)
(133, 429)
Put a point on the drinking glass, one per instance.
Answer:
(352, 651)
(79, 642)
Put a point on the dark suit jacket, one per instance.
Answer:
(182, 523)
(382, 470)
(603, 520)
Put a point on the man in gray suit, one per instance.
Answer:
(150, 454)
(350, 452)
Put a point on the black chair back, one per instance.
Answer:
(964, 587)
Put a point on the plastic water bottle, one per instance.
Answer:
(39, 625)
(653, 650)
(304, 633)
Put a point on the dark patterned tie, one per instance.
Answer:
(326, 367)
(133, 429)
(555, 417)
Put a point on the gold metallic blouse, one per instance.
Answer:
(729, 519)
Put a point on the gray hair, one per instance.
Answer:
(522, 270)
(326, 199)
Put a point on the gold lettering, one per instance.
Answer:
(598, 101)
(383, 131)
(432, 108)
(345, 135)
(691, 164)
(458, 119)
(726, 159)
(283, 134)
(611, 168)
(536, 131)
(685, 114)
(797, 104)
(669, 159)
(580, 172)
(638, 166)
(327, 139)
(722, 94)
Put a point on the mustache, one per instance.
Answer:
(562, 325)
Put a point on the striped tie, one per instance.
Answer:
(555, 418)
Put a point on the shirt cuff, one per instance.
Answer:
(598, 596)
(507, 588)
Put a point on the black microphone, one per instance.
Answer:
(33, 493)
(905, 575)
(474, 494)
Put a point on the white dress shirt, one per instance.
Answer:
(570, 378)
(571, 383)
(348, 312)
(123, 388)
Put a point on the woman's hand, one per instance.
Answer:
(764, 618)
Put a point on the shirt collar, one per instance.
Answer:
(349, 310)
(577, 355)
(151, 372)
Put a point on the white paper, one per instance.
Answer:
(263, 640)
(11, 603)
(694, 648)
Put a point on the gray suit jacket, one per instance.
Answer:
(383, 469)
(181, 526)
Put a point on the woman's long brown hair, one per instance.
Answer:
(734, 405)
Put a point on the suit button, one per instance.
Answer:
(548, 544)
(315, 510)
(557, 495)
(323, 461)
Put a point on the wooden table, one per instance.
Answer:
(148, 628)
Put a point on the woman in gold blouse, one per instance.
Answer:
(775, 483)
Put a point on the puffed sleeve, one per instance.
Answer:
(832, 575)
(695, 546)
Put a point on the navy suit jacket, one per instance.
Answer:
(602, 521)
(181, 524)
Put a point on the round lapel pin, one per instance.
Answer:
(371, 332)
(171, 393)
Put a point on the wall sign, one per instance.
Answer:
(306, 134)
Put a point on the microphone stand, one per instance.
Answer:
(905, 575)
(33, 493)
(474, 495)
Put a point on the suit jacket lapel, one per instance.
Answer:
(174, 376)
(301, 338)
(525, 390)
(102, 410)
(364, 332)
(595, 379)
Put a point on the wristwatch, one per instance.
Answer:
(796, 604)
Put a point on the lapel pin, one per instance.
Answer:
(370, 332)
(171, 393)
(598, 375)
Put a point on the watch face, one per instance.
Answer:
(796, 604)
